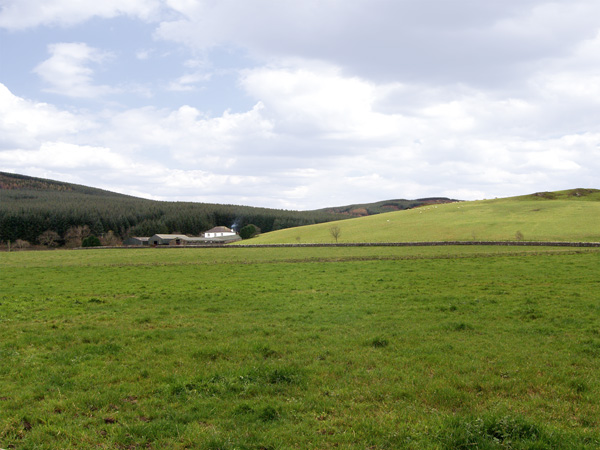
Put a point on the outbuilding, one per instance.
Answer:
(136, 241)
(168, 239)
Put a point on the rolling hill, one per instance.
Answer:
(572, 215)
(30, 206)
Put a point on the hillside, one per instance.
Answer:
(572, 215)
(29, 206)
(16, 182)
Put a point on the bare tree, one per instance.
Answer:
(110, 239)
(335, 232)
(75, 235)
(21, 244)
(49, 238)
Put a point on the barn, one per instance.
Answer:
(168, 239)
(136, 241)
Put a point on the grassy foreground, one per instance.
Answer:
(308, 348)
(557, 216)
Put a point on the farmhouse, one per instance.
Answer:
(219, 232)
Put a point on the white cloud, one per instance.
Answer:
(66, 72)
(473, 144)
(25, 124)
(573, 78)
(188, 136)
(65, 156)
(20, 14)
(189, 82)
(143, 54)
(323, 103)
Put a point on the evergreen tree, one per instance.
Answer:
(91, 241)
(249, 231)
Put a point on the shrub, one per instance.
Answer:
(91, 241)
(249, 231)
(21, 244)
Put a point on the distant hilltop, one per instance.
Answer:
(368, 209)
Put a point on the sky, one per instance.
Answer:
(302, 104)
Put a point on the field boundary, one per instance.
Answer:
(357, 244)
(431, 244)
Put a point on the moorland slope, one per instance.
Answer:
(572, 215)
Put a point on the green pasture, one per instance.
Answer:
(301, 348)
(532, 218)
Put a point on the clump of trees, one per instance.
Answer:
(19, 244)
(249, 231)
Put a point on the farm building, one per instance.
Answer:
(222, 239)
(168, 239)
(136, 241)
(216, 235)
(219, 232)
(182, 239)
(194, 240)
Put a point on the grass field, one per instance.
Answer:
(557, 216)
(300, 348)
